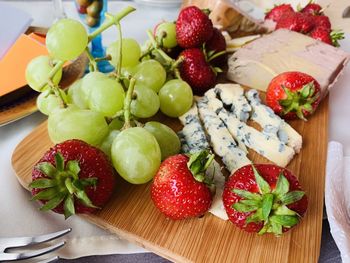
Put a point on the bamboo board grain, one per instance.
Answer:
(132, 215)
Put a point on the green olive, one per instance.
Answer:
(94, 9)
(91, 21)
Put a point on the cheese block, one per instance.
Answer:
(220, 138)
(255, 64)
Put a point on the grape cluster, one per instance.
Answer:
(104, 110)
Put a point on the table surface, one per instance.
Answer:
(329, 252)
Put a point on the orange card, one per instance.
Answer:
(14, 63)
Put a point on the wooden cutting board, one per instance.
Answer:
(132, 215)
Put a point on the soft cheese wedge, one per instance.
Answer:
(255, 64)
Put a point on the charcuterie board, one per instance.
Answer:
(132, 215)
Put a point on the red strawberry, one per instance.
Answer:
(73, 177)
(193, 27)
(216, 44)
(298, 22)
(293, 94)
(312, 9)
(196, 71)
(322, 21)
(264, 198)
(180, 188)
(276, 12)
(322, 34)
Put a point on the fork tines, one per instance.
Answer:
(15, 242)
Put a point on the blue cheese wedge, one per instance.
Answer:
(232, 95)
(193, 132)
(272, 124)
(269, 147)
(220, 138)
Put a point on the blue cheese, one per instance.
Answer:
(220, 138)
(193, 133)
(271, 148)
(272, 124)
(232, 96)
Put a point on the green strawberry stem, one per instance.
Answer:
(127, 103)
(62, 185)
(198, 164)
(336, 35)
(269, 205)
(299, 101)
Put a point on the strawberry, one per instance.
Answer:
(293, 94)
(73, 177)
(298, 22)
(277, 11)
(196, 71)
(180, 189)
(312, 9)
(193, 27)
(322, 21)
(264, 198)
(322, 34)
(216, 44)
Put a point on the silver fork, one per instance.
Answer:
(16, 242)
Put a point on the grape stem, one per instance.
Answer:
(160, 51)
(108, 57)
(112, 20)
(59, 93)
(92, 61)
(127, 103)
(53, 72)
(120, 46)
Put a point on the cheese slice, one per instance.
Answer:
(255, 64)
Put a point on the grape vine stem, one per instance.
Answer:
(127, 103)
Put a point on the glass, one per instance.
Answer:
(58, 10)
(92, 13)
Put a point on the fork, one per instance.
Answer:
(16, 242)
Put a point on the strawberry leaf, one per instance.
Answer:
(284, 210)
(263, 186)
(69, 208)
(73, 167)
(59, 162)
(45, 194)
(256, 217)
(292, 197)
(247, 195)
(243, 208)
(42, 183)
(282, 185)
(251, 202)
(286, 221)
(69, 185)
(54, 202)
(46, 168)
(275, 228)
(266, 207)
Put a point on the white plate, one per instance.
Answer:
(160, 3)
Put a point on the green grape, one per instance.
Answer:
(146, 103)
(175, 97)
(76, 95)
(66, 39)
(136, 155)
(75, 123)
(107, 97)
(115, 124)
(48, 102)
(167, 139)
(91, 80)
(166, 34)
(107, 142)
(131, 52)
(150, 74)
(37, 73)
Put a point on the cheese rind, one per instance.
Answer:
(220, 138)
